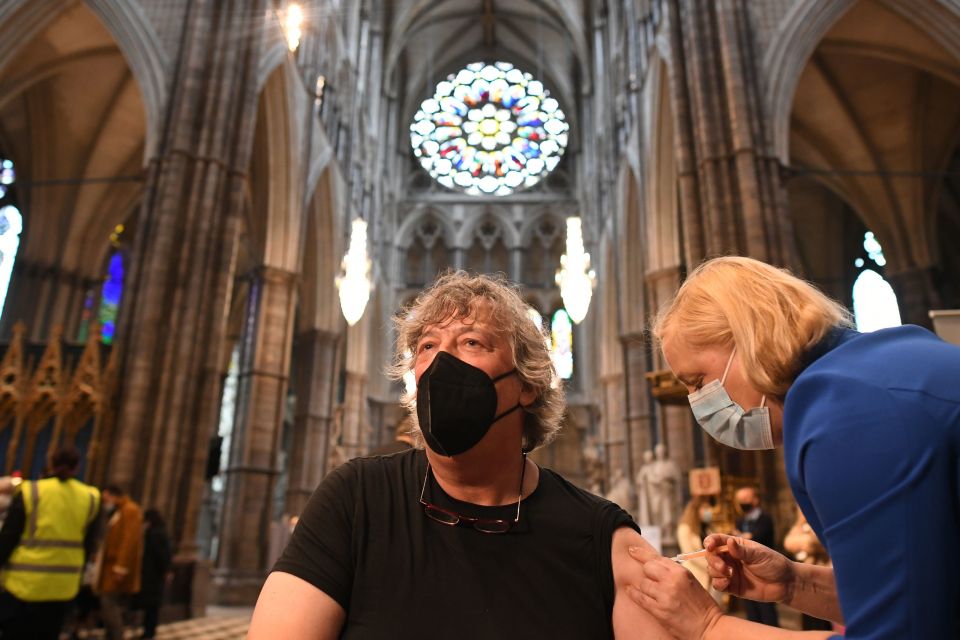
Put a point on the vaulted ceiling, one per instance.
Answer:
(430, 39)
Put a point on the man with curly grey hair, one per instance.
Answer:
(463, 536)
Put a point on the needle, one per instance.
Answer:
(683, 557)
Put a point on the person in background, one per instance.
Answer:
(120, 558)
(154, 569)
(802, 543)
(870, 428)
(693, 528)
(44, 542)
(757, 525)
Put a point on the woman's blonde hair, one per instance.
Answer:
(691, 512)
(771, 316)
(457, 294)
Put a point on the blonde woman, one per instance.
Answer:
(870, 426)
(693, 528)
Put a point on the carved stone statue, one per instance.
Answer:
(659, 492)
(593, 465)
(666, 493)
(642, 481)
(619, 489)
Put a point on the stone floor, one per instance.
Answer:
(231, 623)
(220, 623)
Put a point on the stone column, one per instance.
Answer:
(353, 438)
(730, 189)
(355, 429)
(179, 287)
(255, 443)
(613, 425)
(315, 382)
(639, 416)
(916, 295)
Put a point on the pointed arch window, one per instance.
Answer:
(11, 225)
(559, 338)
(874, 301)
(561, 343)
(110, 297)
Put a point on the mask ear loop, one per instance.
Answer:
(729, 362)
(763, 398)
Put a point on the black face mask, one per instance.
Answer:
(746, 508)
(456, 404)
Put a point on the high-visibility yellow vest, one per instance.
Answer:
(48, 563)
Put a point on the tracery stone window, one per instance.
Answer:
(488, 253)
(489, 129)
(874, 301)
(427, 254)
(543, 257)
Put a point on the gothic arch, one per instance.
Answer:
(805, 25)
(500, 216)
(277, 173)
(662, 201)
(135, 36)
(321, 258)
(408, 229)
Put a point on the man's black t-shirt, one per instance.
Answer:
(364, 540)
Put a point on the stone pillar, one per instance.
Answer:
(355, 429)
(179, 287)
(916, 295)
(353, 438)
(315, 382)
(255, 443)
(731, 194)
(613, 426)
(639, 416)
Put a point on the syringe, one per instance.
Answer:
(683, 557)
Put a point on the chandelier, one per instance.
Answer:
(575, 277)
(354, 284)
(292, 24)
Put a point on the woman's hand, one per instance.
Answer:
(749, 570)
(673, 596)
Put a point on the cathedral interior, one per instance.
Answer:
(210, 211)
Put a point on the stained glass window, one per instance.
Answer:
(874, 301)
(110, 297)
(489, 129)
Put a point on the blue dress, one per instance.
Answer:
(872, 451)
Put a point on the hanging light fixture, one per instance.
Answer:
(354, 284)
(575, 277)
(292, 22)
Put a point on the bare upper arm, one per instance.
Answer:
(630, 620)
(289, 607)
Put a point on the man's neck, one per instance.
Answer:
(489, 473)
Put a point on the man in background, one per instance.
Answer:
(44, 542)
(756, 525)
(120, 559)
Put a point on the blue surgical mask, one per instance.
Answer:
(726, 421)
